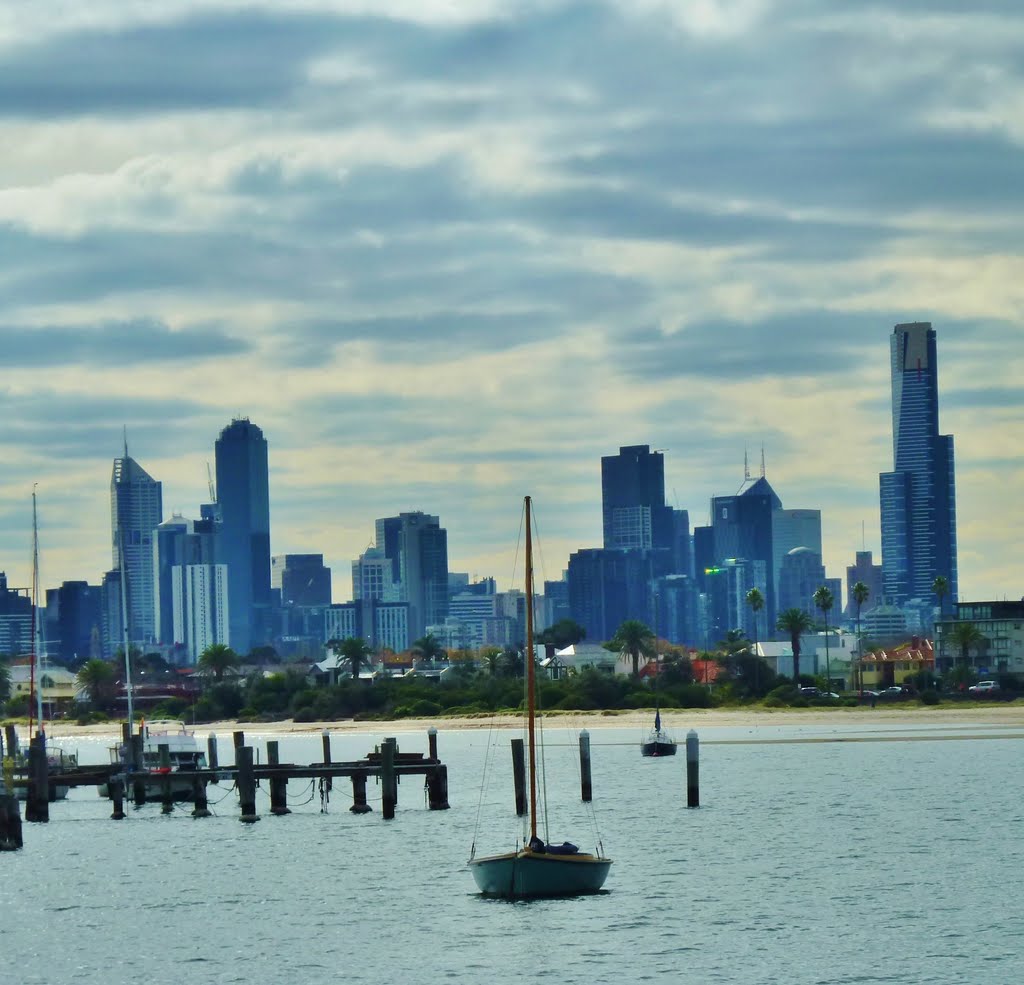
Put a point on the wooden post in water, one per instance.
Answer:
(692, 769)
(328, 781)
(166, 795)
(278, 784)
(239, 741)
(389, 791)
(126, 743)
(116, 788)
(12, 741)
(437, 788)
(211, 754)
(432, 743)
(586, 788)
(201, 808)
(246, 780)
(10, 816)
(137, 761)
(519, 776)
(37, 797)
(359, 804)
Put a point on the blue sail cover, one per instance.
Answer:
(657, 721)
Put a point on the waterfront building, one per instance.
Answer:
(373, 577)
(918, 500)
(243, 496)
(883, 623)
(136, 509)
(1001, 650)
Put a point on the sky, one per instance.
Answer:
(447, 253)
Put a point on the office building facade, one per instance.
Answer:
(917, 498)
(243, 497)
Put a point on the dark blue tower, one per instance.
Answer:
(918, 497)
(243, 496)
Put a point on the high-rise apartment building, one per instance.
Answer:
(792, 529)
(302, 579)
(136, 509)
(863, 570)
(417, 546)
(243, 495)
(918, 500)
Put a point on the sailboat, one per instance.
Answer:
(537, 870)
(658, 742)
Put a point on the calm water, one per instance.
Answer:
(891, 861)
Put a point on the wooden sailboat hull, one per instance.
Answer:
(533, 875)
(658, 743)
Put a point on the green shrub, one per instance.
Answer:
(929, 697)
(773, 701)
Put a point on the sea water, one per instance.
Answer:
(892, 860)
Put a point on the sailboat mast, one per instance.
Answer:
(124, 624)
(531, 701)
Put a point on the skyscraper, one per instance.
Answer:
(136, 510)
(243, 495)
(633, 499)
(918, 499)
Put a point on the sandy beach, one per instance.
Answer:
(679, 720)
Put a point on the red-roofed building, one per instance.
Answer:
(890, 667)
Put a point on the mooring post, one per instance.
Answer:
(239, 741)
(137, 761)
(211, 755)
(10, 819)
(116, 788)
(586, 788)
(432, 743)
(437, 788)
(359, 804)
(246, 780)
(692, 769)
(325, 738)
(11, 733)
(201, 808)
(519, 776)
(37, 796)
(126, 743)
(389, 792)
(166, 795)
(278, 784)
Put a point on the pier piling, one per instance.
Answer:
(11, 734)
(166, 794)
(37, 797)
(432, 743)
(437, 789)
(692, 769)
(389, 789)
(586, 787)
(519, 776)
(211, 753)
(116, 788)
(246, 781)
(201, 808)
(359, 804)
(278, 784)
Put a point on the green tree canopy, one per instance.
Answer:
(218, 660)
(795, 622)
(97, 680)
(563, 633)
(966, 635)
(5, 681)
(635, 639)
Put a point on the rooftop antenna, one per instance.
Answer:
(762, 459)
(746, 467)
(209, 484)
(125, 440)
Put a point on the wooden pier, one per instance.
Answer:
(127, 781)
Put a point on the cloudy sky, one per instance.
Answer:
(449, 252)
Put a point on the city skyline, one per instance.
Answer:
(443, 266)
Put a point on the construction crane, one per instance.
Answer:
(209, 483)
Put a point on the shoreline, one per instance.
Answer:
(676, 719)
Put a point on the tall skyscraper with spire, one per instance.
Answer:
(918, 497)
(243, 498)
(136, 510)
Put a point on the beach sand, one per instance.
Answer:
(678, 720)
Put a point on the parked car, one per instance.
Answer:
(868, 693)
(893, 691)
(809, 692)
(982, 686)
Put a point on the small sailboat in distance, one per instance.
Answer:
(658, 742)
(537, 870)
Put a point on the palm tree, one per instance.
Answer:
(217, 660)
(795, 622)
(635, 638)
(965, 635)
(735, 641)
(353, 649)
(429, 649)
(860, 594)
(824, 600)
(5, 682)
(98, 681)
